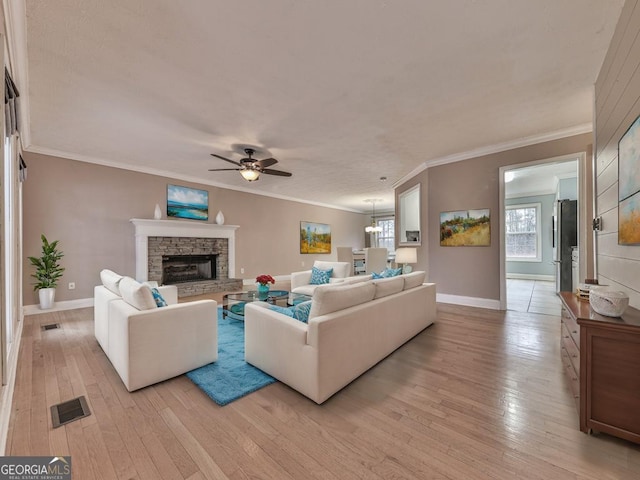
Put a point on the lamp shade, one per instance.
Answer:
(406, 255)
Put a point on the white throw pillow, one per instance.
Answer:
(110, 280)
(331, 298)
(412, 280)
(388, 286)
(136, 294)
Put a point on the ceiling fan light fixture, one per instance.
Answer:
(249, 174)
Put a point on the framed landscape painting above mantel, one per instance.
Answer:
(629, 186)
(315, 237)
(185, 202)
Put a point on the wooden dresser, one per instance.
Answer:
(601, 356)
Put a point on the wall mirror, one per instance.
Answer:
(409, 216)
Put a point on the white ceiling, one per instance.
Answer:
(340, 92)
(540, 179)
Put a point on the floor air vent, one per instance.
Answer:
(51, 326)
(66, 412)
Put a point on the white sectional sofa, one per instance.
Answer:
(145, 343)
(351, 327)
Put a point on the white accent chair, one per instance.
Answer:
(300, 280)
(375, 260)
(147, 344)
(345, 254)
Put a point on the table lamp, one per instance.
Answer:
(405, 256)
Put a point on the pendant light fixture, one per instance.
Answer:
(373, 228)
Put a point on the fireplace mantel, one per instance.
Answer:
(145, 228)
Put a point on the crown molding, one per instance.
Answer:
(497, 148)
(176, 176)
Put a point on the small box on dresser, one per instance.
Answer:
(608, 372)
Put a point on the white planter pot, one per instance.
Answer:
(47, 298)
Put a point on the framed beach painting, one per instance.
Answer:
(465, 228)
(315, 237)
(185, 202)
(629, 186)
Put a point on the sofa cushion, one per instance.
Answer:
(331, 298)
(136, 294)
(320, 277)
(340, 269)
(158, 298)
(111, 281)
(414, 279)
(388, 286)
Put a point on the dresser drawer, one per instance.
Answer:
(574, 380)
(572, 326)
(570, 346)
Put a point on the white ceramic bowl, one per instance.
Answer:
(610, 303)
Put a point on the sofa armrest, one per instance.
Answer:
(277, 345)
(298, 279)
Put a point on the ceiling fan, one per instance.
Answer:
(250, 169)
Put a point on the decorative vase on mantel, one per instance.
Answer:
(220, 218)
(263, 291)
(157, 213)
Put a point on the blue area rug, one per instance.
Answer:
(230, 377)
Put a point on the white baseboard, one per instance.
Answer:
(468, 301)
(58, 306)
(6, 397)
(531, 276)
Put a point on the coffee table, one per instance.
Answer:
(233, 303)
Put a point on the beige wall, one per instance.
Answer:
(87, 207)
(472, 184)
(617, 96)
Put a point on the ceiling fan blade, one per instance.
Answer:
(267, 162)
(223, 169)
(226, 159)
(280, 173)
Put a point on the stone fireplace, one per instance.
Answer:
(198, 258)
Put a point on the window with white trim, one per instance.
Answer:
(522, 231)
(387, 237)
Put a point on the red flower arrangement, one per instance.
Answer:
(265, 279)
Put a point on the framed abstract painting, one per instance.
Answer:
(629, 186)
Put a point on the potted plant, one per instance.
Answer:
(48, 271)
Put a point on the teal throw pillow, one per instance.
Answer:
(320, 277)
(159, 299)
(388, 273)
(376, 276)
(301, 311)
(284, 310)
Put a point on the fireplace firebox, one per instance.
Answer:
(188, 268)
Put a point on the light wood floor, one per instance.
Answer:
(479, 395)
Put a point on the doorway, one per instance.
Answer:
(531, 256)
